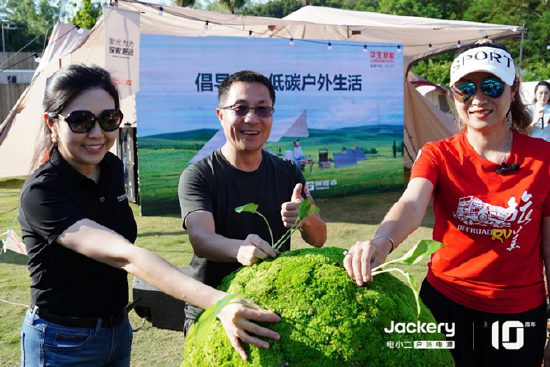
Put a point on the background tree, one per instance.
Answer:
(88, 14)
(533, 14)
(232, 5)
(184, 3)
(34, 21)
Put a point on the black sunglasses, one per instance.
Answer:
(491, 87)
(83, 121)
(242, 110)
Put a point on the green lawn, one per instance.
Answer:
(349, 219)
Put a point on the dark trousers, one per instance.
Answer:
(519, 337)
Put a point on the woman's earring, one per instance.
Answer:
(54, 139)
(509, 119)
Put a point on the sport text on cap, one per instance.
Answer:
(489, 59)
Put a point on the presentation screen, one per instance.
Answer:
(339, 111)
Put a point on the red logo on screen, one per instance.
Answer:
(383, 57)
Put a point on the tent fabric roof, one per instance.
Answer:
(322, 23)
(414, 33)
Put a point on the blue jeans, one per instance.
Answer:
(47, 344)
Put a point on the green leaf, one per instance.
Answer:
(206, 321)
(422, 249)
(250, 207)
(306, 208)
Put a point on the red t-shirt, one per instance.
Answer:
(491, 223)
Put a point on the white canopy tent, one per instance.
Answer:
(423, 123)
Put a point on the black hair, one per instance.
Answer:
(244, 76)
(62, 88)
(521, 118)
(542, 83)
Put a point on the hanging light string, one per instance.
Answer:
(77, 27)
(292, 40)
(209, 22)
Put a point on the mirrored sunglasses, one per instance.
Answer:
(491, 87)
(242, 110)
(83, 121)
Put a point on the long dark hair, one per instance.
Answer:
(542, 83)
(521, 118)
(62, 88)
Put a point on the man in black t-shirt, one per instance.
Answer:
(241, 172)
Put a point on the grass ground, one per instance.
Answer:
(348, 219)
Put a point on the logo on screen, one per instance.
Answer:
(501, 335)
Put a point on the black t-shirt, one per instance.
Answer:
(214, 185)
(55, 197)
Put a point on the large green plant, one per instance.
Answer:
(327, 320)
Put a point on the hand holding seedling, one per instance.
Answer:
(366, 255)
(290, 211)
(253, 249)
(365, 259)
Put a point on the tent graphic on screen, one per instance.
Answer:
(295, 127)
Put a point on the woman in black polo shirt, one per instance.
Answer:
(78, 229)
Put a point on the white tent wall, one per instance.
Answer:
(422, 122)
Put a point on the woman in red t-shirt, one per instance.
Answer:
(491, 202)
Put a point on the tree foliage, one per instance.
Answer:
(34, 21)
(232, 5)
(87, 15)
(184, 3)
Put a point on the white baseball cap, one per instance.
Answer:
(489, 59)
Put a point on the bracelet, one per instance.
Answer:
(386, 237)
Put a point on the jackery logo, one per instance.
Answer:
(475, 213)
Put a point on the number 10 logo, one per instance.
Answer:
(506, 343)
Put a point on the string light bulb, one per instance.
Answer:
(458, 45)
(430, 47)
(398, 48)
(249, 34)
(291, 42)
(329, 47)
(548, 47)
(37, 57)
(79, 30)
(206, 25)
(161, 11)
(365, 48)
(515, 29)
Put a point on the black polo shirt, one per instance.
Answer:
(55, 197)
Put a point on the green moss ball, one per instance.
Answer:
(327, 320)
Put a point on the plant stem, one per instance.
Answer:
(287, 234)
(268, 226)
(410, 279)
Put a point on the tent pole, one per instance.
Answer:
(521, 48)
